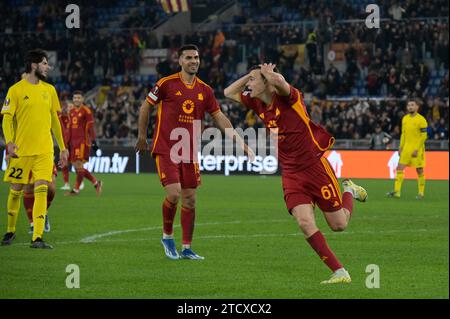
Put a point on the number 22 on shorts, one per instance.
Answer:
(16, 173)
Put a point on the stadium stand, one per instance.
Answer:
(408, 56)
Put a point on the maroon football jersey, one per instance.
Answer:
(82, 125)
(300, 142)
(65, 126)
(179, 104)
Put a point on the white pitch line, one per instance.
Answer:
(93, 238)
(279, 235)
(392, 231)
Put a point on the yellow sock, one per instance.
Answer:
(421, 184)
(398, 182)
(39, 210)
(13, 209)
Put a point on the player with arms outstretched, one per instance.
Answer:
(307, 177)
(412, 148)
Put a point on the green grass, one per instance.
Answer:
(253, 248)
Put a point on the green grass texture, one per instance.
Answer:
(252, 247)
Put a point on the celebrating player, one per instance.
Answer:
(181, 99)
(81, 138)
(307, 176)
(412, 148)
(29, 117)
(65, 125)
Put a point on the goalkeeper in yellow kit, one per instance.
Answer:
(412, 148)
(29, 117)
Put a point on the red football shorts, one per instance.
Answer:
(187, 174)
(79, 151)
(316, 185)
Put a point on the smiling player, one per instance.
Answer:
(181, 99)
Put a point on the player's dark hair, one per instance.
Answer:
(34, 56)
(258, 67)
(187, 47)
(79, 92)
(415, 100)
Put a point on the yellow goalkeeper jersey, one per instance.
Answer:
(31, 106)
(414, 132)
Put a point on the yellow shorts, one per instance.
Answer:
(19, 169)
(407, 159)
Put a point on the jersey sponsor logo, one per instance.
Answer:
(26, 97)
(336, 204)
(178, 93)
(188, 106)
(200, 97)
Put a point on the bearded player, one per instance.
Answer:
(29, 119)
(181, 98)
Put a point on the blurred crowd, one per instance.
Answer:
(395, 61)
(333, 10)
(357, 118)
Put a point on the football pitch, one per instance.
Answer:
(252, 246)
